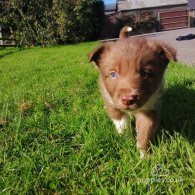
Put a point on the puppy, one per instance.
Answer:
(131, 82)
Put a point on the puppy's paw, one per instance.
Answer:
(121, 124)
(144, 154)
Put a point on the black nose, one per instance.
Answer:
(129, 100)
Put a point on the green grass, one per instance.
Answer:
(55, 136)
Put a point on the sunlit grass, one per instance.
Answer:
(55, 136)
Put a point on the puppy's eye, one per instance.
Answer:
(145, 74)
(114, 75)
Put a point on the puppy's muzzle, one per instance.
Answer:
(129, 100)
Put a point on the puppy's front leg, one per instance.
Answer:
(119, 118)
(146, 123)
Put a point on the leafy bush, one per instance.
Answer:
(32, 22)
(79, 20)
(47, 22)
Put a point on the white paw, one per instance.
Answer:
(142, 154)
(121, 124)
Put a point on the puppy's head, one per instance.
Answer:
(132, 69)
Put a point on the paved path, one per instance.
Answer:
(185, 49)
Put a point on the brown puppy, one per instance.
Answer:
(131, 82)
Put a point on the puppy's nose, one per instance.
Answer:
(129, 100)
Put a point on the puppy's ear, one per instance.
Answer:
(96, 55)
(167, 52)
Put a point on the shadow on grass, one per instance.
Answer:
(6, 54)
(178, 110)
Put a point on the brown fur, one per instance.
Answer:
(133, 67)
(146, 123)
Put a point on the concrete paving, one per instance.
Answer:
(185, 49)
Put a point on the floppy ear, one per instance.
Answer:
(168, 52)
(95, 55)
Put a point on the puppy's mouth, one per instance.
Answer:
(132, 107)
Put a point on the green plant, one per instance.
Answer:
(79, 20)
(52, 21)
(32, 22)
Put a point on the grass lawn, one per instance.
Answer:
(56, 138)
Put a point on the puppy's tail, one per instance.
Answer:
(124, 32)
